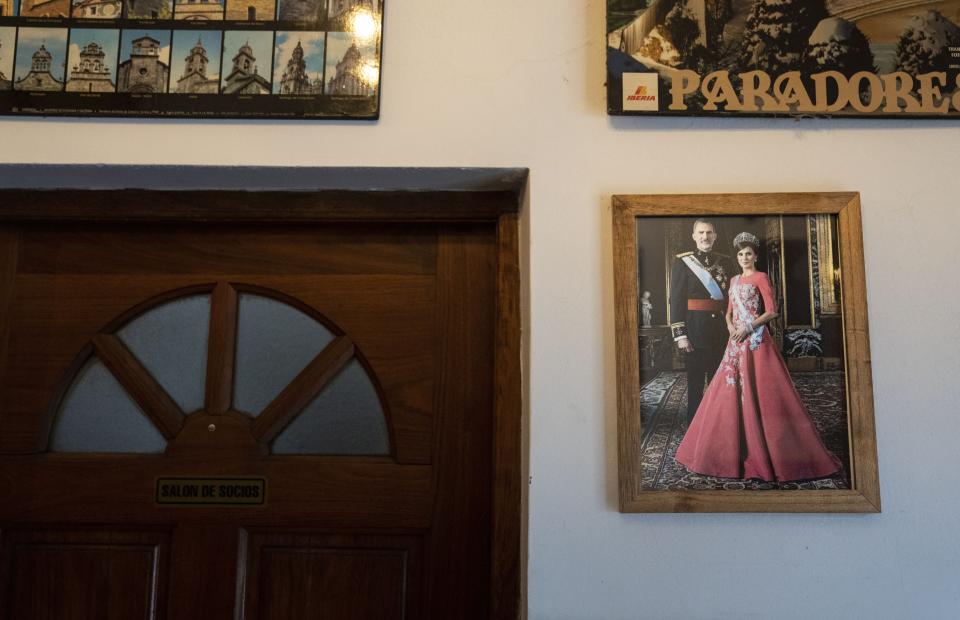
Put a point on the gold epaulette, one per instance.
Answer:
(682, 254)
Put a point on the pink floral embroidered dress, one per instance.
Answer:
(751, 422)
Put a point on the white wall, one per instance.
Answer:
(520, 83)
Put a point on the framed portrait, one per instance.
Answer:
(743, 359)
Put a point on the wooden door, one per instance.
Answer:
(257, 420)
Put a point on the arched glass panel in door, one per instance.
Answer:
(295, 377)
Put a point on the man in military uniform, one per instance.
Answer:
(699, 281)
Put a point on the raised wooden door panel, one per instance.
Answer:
(305, 575)
(405, 534)
(63, 573)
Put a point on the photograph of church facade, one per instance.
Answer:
(302, 10)
(45, 8)
(146, 67)
(97, 9)
(251, 10)
(149, 9)
(41, 53)
(242, 76)
(93, 53)
(352, 67)
(8, 8)
(8, 39)
(198, 55)
(299, 63)
(198, 10)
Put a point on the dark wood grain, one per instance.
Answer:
(306, 575)
(302, 390)
(304, 249)
(221, 349)
(9, 246)
(137, 205)
(152, 399)
(506, 571)
(303, 490)
(210, 552)
(216, 437)
(56, 573)
(865, 494)
(466, 316)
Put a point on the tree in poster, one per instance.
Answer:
(716, 15)
(777, 33)
(925, 43)
(838, 45)
(681, 29)
(675, 41)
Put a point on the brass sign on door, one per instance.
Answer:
(211, 491)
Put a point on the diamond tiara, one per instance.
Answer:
(746, 237)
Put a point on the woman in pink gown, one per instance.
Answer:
(751, 422)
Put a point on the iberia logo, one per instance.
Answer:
(641, 95)
(640, 92)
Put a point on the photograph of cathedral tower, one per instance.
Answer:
(244, 76)
(40, 59)
(352, 69)
(298, 56)
(45, 8)
(90, 65)
(195, 77)
(146, 69)
(7, 41)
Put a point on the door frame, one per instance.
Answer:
(493, 196)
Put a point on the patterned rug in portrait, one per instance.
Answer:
(664, 398)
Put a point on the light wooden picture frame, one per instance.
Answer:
(812, 245)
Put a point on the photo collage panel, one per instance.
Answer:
(191, 58)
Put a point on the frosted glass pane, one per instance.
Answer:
(171, 342)
(97, 415)
(275, 341)
(345, 418)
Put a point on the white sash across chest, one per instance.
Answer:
(704, 276)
